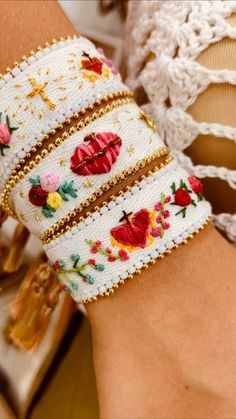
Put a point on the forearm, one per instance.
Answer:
(162, 342)
(29, 24)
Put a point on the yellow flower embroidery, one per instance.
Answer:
(54, 200)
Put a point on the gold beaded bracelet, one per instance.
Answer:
(146, 266)
(61, 226)
(23, 168)
(24, 58)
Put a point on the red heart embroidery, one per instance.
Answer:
(98, 156)
(92, 64)
(136, 233)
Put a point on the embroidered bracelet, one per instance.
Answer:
(45, 91)
(73, 173)
(69, 132)
(112, 244)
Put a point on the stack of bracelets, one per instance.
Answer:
(83, 168)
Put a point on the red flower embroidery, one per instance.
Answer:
(94, 250)
(57, 265)
(195, 184)
(38, 196)
(182, 198)
(111, 259)
(123, 255)
(156, 232)
(91, 261)
(166, 213)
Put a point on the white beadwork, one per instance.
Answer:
(175, 33)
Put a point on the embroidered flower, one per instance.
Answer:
(5, 134)
(38, 196)
(108, 62)
(54, 200)
(166, 214)
(166, 226)
(123, 254)
(182, 198)
(156, 232)
(158, 206)
(59, 264)
(167, 199)
(91, 261)
(163, 213)
(46, 192)
(195, 184)
(49, 182)
(96, 247)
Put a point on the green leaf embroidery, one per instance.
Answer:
(173, 188)
(67, 188)
(182, 211)
(48, 211)
(200, 197)
(63, 195)
(11, 129)
(2, 148)
(162, 196)
(35, 181)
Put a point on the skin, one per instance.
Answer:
(164, 343)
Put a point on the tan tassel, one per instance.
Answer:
(16, 252)
(33, 305)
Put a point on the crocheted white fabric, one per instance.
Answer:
(177, 32)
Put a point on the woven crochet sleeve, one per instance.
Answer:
(164, 43)
(85, 170)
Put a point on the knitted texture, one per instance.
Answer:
(173, 34)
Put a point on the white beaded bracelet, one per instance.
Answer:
(155, 216)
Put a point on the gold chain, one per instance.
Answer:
(17, 176)
(146, 266)
(60, 227)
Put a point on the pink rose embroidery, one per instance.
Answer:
(108, 62)
(49, 182)
(5, 134)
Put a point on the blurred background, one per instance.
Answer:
(46, 368)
